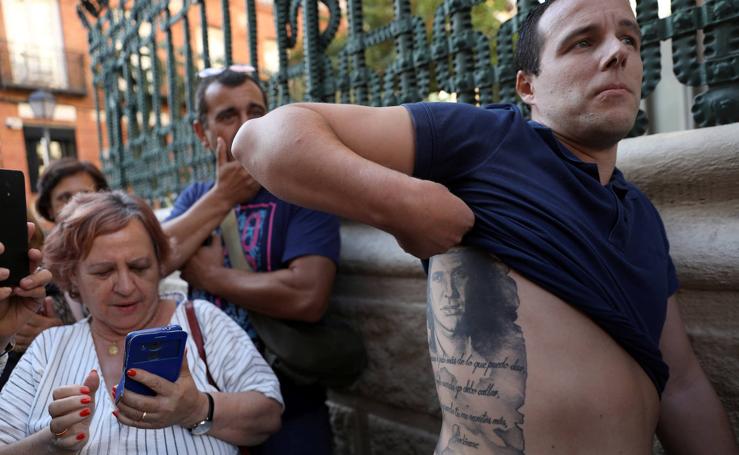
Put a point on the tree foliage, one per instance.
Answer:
(378, 13)
(486, 18)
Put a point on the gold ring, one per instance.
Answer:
(143, 416)
(59, 435)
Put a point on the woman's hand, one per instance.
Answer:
(71, 413)
(18, 304)
(37, 324)
(175, 403)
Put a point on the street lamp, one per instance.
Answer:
(43, 104)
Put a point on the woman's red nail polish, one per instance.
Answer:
(85, 412)
(131, 372)
(81, 436)
(84, 389)
(115, 413)
(85, 400)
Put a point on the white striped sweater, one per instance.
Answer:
(65, 355)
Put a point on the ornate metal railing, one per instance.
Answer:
(147, 79)
(30, 67)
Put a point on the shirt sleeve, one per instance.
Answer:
(18, 395)
(233, 360)
(452, 139)
(188, 197)
(312, 233)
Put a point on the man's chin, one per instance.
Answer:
(606, 131)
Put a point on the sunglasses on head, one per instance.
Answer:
(210, 72)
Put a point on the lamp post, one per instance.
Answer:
(43, 104)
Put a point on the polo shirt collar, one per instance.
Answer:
(617, 182)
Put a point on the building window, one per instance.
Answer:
(62, 145)
(36, 59)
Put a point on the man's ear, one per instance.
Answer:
(525, 87)
(199, 130)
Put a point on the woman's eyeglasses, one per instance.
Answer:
(210, 72)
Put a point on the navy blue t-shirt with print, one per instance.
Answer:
(544, 212)
(273, 233)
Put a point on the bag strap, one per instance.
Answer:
(197, 337)
(230, 234)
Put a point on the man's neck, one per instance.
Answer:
(605, 159)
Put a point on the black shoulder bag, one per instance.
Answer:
(329, 352)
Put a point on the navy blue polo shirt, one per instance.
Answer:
(544, 212)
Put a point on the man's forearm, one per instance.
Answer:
(281, 293)
(189, 230)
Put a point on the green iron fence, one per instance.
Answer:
(145, 83)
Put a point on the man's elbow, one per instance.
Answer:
(245, 146)
(255, 143)
(262, 143)
(312, 308)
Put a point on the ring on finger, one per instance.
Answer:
(143, 416)
(59, 435)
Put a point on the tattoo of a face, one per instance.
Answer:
(477, 352)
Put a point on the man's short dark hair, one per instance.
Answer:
(530, 42)
(227, 77)
(55, 173)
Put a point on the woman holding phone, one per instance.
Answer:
(60, 180)
(107, 250)
(18, 304)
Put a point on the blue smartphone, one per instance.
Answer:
(158, 351)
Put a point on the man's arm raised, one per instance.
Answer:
(189, 230)
(353, 161)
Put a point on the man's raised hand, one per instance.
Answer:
(436, 220)
(233, 182)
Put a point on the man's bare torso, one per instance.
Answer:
(520, 371)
